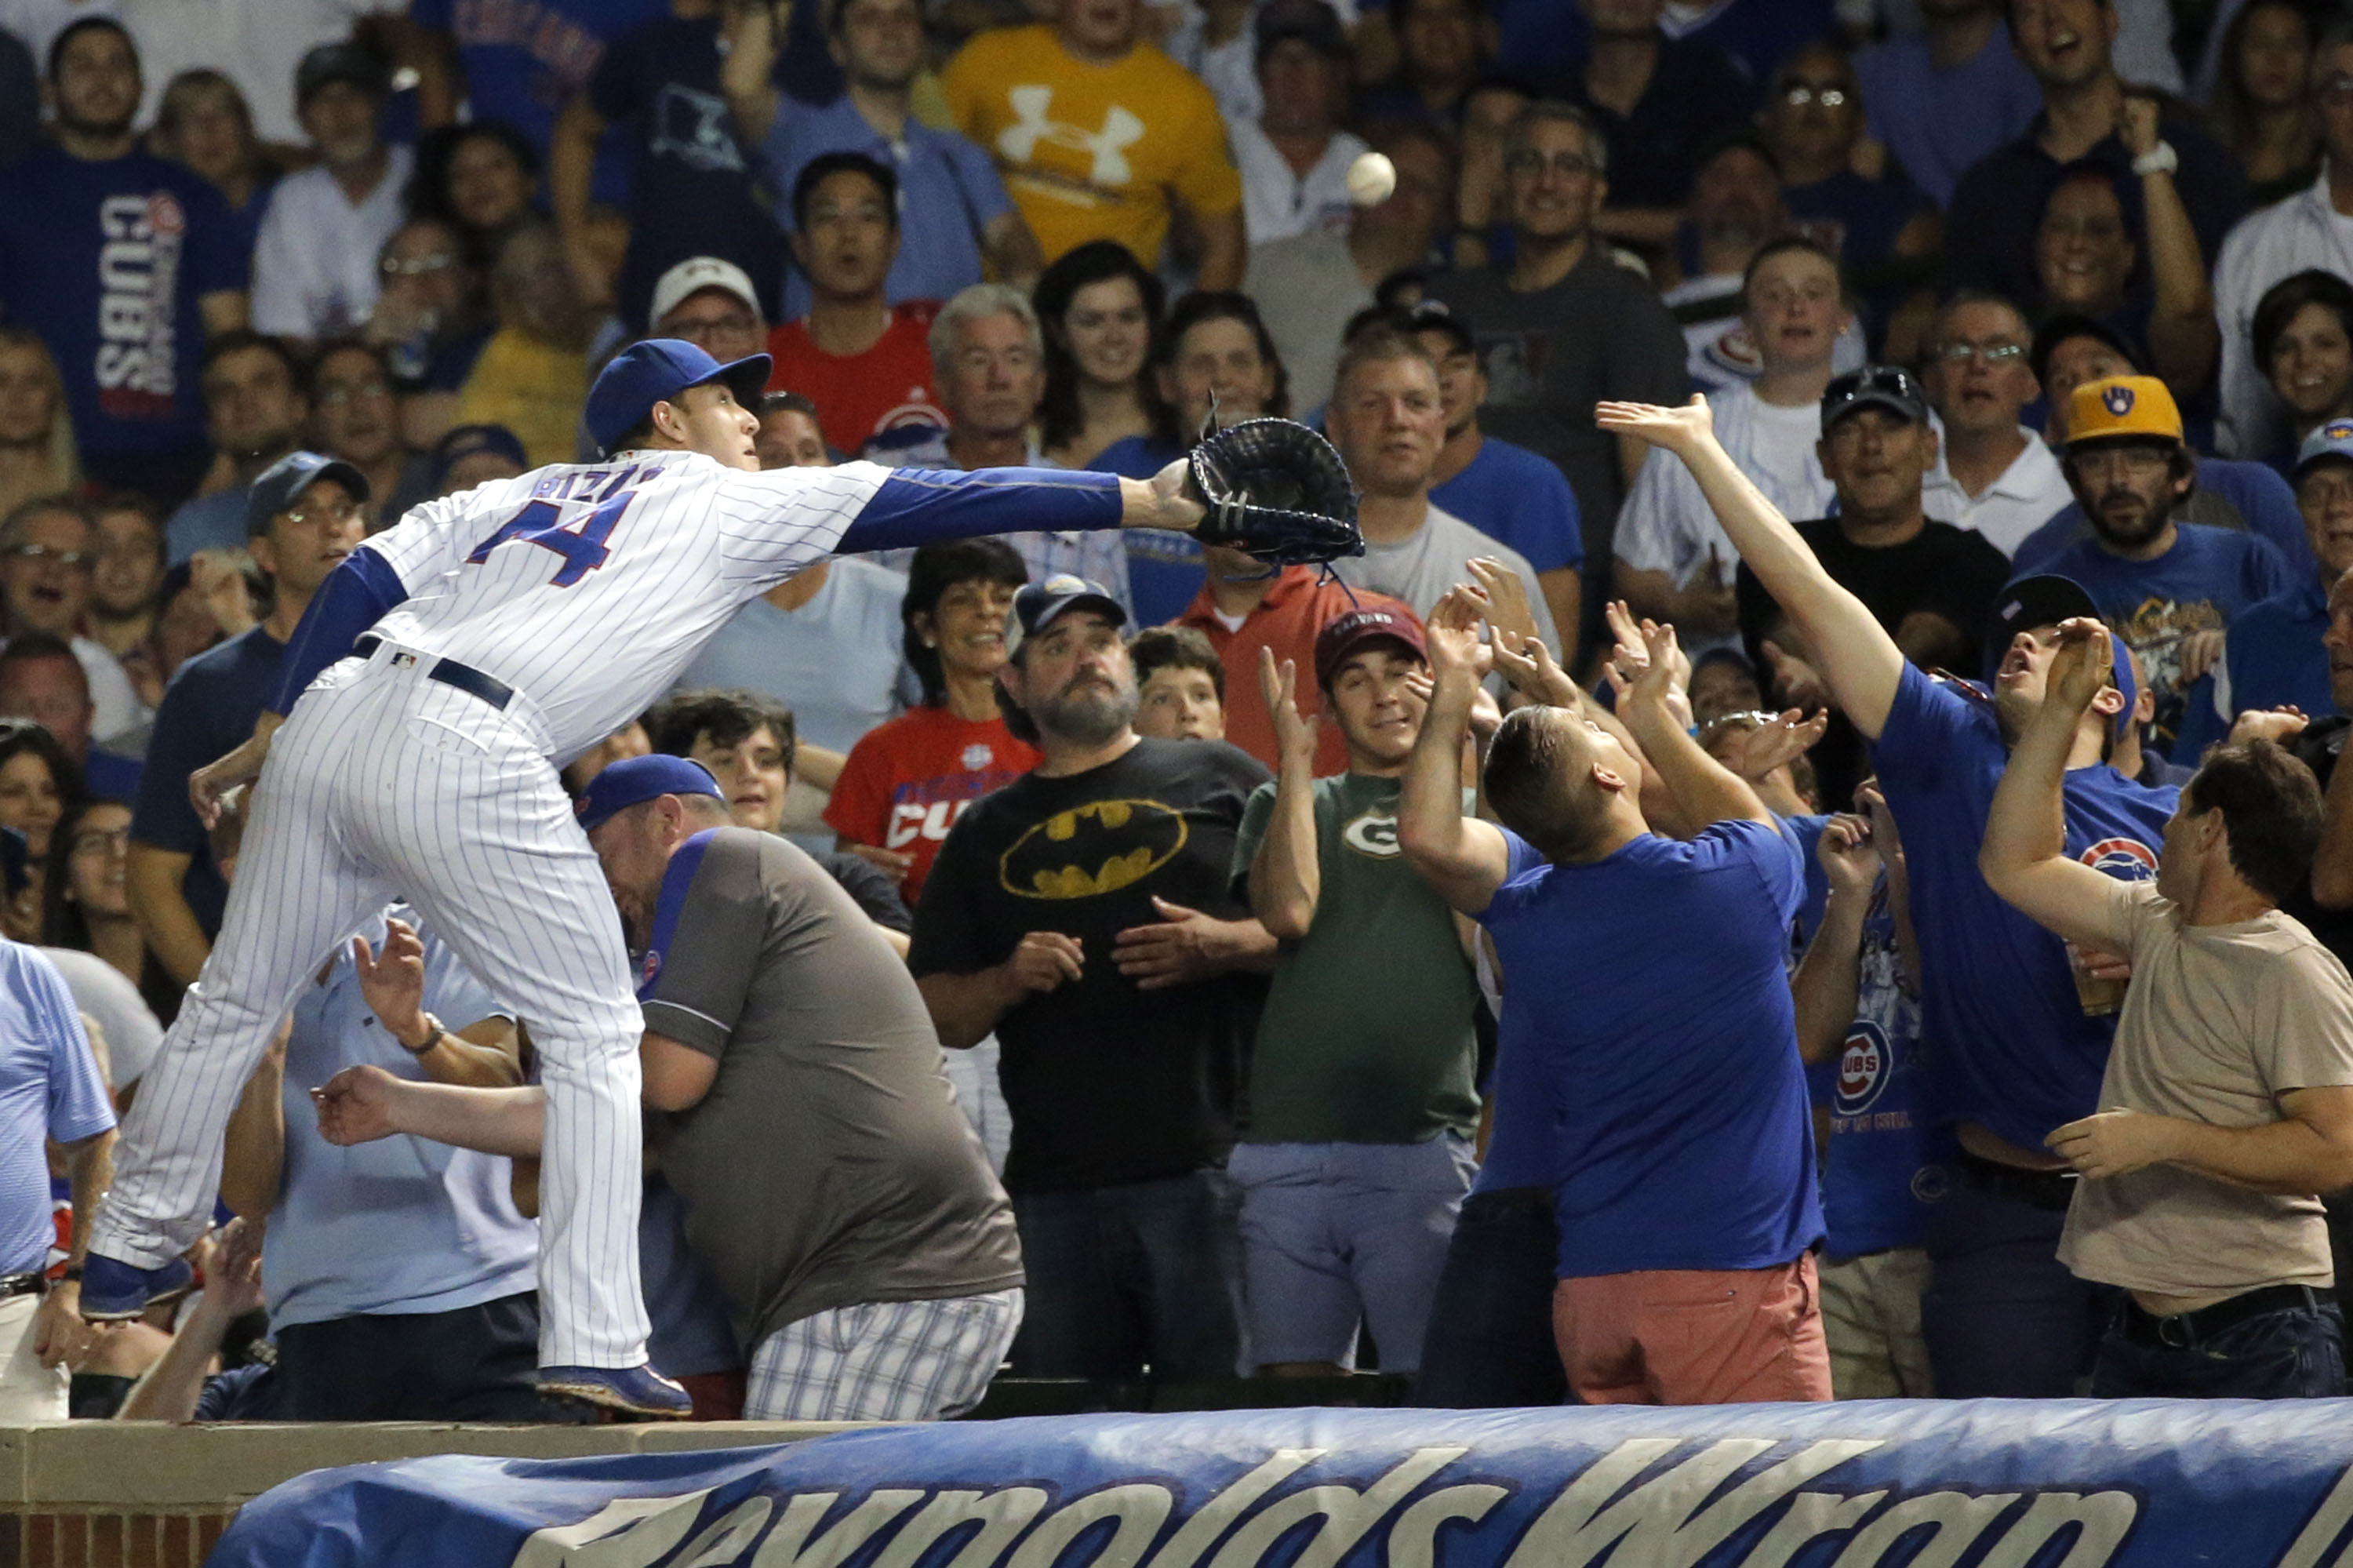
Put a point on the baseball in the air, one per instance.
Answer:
(1371, 178)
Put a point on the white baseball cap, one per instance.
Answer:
(692, 276)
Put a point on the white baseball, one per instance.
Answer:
(1371, 178)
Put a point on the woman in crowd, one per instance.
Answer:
(1100, 309)
(202, 122)
(2304, 340)
(478, 178)
(908, 779)
(1215, 348)
(86, 899)
(36, 439)
(39, 784)
(2260, 109)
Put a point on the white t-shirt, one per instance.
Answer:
(1718, 352)
(314, 261)
(1278, 202)
(255, 44)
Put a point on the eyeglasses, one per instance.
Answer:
(73, 560)
(417, 266)
(2132, 457)
(1528, 161)
(101, 841)
(1988, 354)
(1829, 94)
(342, 511)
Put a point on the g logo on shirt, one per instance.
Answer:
(1864, 1066)
(2127, 860)
(1373, 832)
(1094, 848)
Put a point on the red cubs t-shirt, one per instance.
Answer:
(907, 781)
(860, 395)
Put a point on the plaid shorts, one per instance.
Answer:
(884, 1360)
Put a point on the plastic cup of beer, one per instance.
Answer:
(2098, 995)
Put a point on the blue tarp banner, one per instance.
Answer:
(1981, 1484)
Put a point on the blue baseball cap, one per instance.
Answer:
(1041, 604)
(656, 371)
(636, 780)
(466, 441)
(289, 477)
(2330, 438)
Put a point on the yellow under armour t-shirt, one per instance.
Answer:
(1093, 152)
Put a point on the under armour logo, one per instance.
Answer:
(2118, 400)
(1121, 130)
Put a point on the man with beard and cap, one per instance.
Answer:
(2169, 589)
(2023, 1040)
(1085, 914)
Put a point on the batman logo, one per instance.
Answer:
(1097, 848)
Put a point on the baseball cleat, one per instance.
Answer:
(633, 1390)
(112, 1289)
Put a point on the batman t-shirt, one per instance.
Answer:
(1108, 1084)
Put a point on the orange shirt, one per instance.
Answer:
(908, 781)
(1294, 609)
(860, 395)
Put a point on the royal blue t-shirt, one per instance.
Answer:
(107, 260)
(1668, 1059)
(691, 179)
(1890, 1155)
(1165, 569)
(2260, 497)
(2014, 1050)
(1510, 494)
(2274, 653)
(207, 711)
(2200, 584)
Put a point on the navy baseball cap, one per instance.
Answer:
(466, 441)
(637, 779)
(289, 477)
(1040, 605)
(2331, 439)
(2046, 600)
(656, 371)
(1873, 387)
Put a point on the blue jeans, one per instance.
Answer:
(2296, 1352)
(1122, 1278)
(1490, 1344)
(2002, 1316)
(1339, 1234)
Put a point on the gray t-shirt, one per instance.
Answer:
(828, 1164)
(1551, 353)
(1422, 567)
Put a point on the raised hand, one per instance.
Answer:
(1849, 857)
(1294, 734)
(1451, 634)
(1795, 680)
(2280, 724)
(1785, 739)
(1507, 597)
(1487, 718)
(1649, 677)
(2081, 666)
(1678, 430)
(1528, 665)
(392, 983)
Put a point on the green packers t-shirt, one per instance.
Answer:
(1367, 1034)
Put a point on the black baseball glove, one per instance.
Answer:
(1276, 489)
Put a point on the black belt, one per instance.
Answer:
(32, 1283)
(2051, 1190)
(449, 673)
(2183, 1329)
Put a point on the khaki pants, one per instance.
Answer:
(1871, 1313)
(30, 1392)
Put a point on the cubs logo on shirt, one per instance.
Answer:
(1865, 1063)
(978, 756)
(2127, 860)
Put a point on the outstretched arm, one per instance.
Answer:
(2024, 857)
(1462, 858)
(1644, 677)
(1861, 660)
(921, 507)
(362, 1104)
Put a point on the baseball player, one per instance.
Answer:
(445, 671)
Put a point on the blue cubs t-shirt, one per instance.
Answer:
(1516, 497)
(2200, 584)
(2014, 1050)
(1166, 570)
(1648, 1012)
(106, 260)
(2253, 490)
(1889, 1155)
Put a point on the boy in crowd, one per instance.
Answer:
(1180, 685)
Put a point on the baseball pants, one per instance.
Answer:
(383, 785)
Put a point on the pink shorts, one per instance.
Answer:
(1678, 1336)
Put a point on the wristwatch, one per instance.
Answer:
(432, 1036)
(2160, 159)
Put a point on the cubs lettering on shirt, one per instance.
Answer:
(908, 781)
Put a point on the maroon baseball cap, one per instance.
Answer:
(1343, 635)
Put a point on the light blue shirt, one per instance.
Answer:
(49, 1087)
(215, 522)
(402, 1224)
(949, 190)
(835, 662)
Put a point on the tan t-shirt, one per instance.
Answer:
(2220, 1021)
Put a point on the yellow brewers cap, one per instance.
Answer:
(2122, 406)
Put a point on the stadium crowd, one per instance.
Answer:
(1841, 890)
